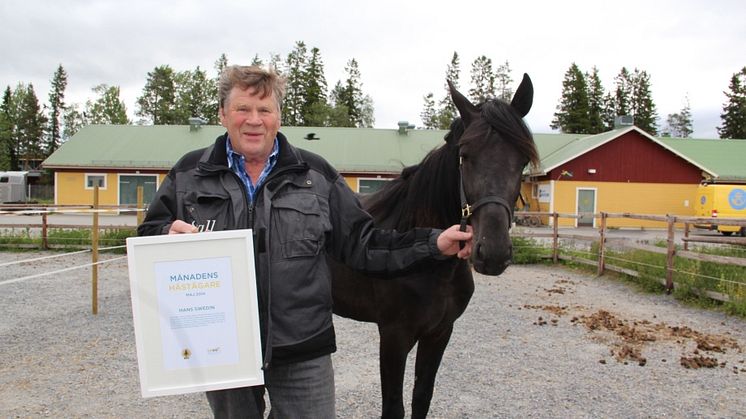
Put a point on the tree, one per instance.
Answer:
(196, 96)
(107, 109)
(429, 114)
(633, 97)
(572, 111)
(220, 64)
(8, 158)
(679, 125)
(29, 127)
(158, 101)
(642, 105)
(315, 108)
(348, 98)
(623, 93)
(292, 112)
(482, 80)
(73, 120)
(596, 103)
(503, 82)
(448, 111)
(56, 109)
(734, 110)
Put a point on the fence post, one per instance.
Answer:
(44, 242)
(555, 237)
(687, 226)
(670, 253)
(140, 206)
(94, 252)
(602, 245)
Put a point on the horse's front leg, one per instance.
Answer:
(396, 342)
(430, 351)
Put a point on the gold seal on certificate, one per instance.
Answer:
(194, 307)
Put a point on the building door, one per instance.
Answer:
(586, 207)
(128, 188)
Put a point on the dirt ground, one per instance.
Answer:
(538, 341)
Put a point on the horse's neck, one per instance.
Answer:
(436, 203)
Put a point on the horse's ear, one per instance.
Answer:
(465, 108)
(524, 96)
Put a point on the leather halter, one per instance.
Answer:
(467, 210)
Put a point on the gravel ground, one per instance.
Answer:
(538, 341)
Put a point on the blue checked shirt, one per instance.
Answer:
(236, 162)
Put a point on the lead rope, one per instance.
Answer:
(465, 207)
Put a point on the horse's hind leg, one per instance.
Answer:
(430, 350)
(395, 346)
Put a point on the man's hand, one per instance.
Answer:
(448, 241)
(179, 227)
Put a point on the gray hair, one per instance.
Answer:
(264, 82)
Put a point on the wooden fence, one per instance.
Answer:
(670, 251)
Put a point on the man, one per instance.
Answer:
(301, 211)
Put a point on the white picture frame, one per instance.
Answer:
(195, 312)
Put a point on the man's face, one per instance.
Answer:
(252, 123)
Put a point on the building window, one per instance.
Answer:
(366, 186)
(92, 181)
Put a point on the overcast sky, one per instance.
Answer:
(402, 47)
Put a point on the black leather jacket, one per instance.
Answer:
(303, 212)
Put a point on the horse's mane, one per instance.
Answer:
(426, 194)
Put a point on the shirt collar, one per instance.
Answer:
(236, 158)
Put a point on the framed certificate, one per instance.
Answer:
(195, 312)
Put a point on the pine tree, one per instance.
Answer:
(56, 109)
(734, 110)
(349, 97)
(448, 111)
(642, 105)
(595, 103)
(503, 82)
(482, 80)
(292, 107)
(220, 64)
(429, 115)
(158, 101)
(339, 115)
(29, 122)
(315, 108)
(256, 61)
(108, 108)
(572, 111)
(8, 159)
(623, 93)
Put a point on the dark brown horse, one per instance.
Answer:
(481, 163)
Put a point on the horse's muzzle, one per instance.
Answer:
(490, 261)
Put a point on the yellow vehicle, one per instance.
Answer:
(721, 200)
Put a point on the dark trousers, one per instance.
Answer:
(299, 390)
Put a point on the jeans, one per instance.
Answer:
(298, 390)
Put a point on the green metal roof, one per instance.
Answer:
(350, 150)
(360, 150)
(725, 158)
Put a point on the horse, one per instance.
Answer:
(474, 177)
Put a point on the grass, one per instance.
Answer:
(65, 239)
(690, 276)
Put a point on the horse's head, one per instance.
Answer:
(494, 148)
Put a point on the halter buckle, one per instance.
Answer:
(466, 211)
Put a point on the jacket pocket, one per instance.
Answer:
(210, 212)
(298, 223)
